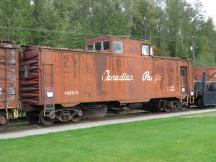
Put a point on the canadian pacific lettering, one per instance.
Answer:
(148, 77)
(107, 76)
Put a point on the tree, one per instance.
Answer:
(15, 17)
(44, 23)
(169, 24)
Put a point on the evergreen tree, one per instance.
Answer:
(171, 25)
(15, 18)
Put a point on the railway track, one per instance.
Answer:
(22, 128)
(22, 124)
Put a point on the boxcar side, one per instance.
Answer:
(69, 78)
(59, 81)
(9, 81)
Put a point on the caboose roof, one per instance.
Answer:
(111, 37)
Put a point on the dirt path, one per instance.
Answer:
(61, 128)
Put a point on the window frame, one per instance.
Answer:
(101, 46)
(121, 45)
(149, 50)
(109, 45)
(92, 46)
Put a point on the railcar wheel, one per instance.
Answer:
(32, 117)
(181, 107)
(76, 119)
(45, 120)
(166, 106)
(3, 118)
(177, 106)
(78, 116)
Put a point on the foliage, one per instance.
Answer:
(169, 24)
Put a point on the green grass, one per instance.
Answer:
(191, 138)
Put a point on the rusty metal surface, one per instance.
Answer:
(29, 77)
(9, 78)
(131, 46)
(210, 72)
(72, 77)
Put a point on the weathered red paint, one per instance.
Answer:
(130, 46)
(210, 72)
(9, 76)
(69, 77)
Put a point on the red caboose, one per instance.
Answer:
(9, 81)
(112, 71)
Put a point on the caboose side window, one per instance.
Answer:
(98, 46)
(90, 47)
(183, 72)
(145, 49)
(106, 45)
(117, 47)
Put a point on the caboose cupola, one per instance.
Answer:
(120, 46)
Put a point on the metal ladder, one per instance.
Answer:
(48, 109)
(48, 80)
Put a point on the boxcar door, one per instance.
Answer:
(48, 84)
(11, 78)
(184, 80)
(8, 78)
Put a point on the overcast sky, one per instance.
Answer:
(209, 7)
